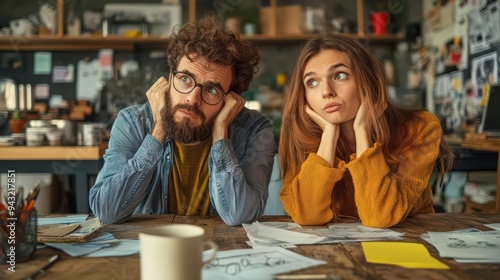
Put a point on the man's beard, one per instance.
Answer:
(181, 132)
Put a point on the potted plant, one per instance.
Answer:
(17, 121)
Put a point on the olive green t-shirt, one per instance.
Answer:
(188, 179)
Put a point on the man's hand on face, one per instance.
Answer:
(156, 97)
(233, 104)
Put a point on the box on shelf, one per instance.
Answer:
(289, 20)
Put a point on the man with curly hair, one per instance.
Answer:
(193, 148)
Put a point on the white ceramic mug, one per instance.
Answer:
(173, 252)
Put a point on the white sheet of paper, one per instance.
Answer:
(475, 245)
(255, 264)
(357, 231)
(263, 232)
(425, 236)
(494, 226)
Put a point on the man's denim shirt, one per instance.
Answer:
(134, 178)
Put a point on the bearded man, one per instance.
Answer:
(193, 149)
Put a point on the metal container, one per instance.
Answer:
(66, 126)
(91, 134)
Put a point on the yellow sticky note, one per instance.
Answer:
(409, 255)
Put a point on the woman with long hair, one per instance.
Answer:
(345, 149)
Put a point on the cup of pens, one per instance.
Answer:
(18, 230)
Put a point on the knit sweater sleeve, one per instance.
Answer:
(382, 199)
(307, 196)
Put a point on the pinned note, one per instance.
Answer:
(42, 91)
(63, 74)
(42, 63)
(404, 254)
(89, 80)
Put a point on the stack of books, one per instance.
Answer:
(482, 193)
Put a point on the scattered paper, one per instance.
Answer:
(291, 234)
(57, 231)
(262, 234)
(494, 226)
(255, 264)
(426, 237)
(77, 249)
(69, 219)
(103, 240)
(86, 228)
(404, 254)
(124, 247)
(475, 245)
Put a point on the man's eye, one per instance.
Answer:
(185, 79)
(211, 90)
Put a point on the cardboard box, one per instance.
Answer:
(289, 20)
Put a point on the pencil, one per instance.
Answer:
(306, 277)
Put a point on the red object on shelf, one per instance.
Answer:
(380, 21)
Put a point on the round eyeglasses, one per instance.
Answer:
(185, 83)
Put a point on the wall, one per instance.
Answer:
(470, 95)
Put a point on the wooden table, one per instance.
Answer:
(80, 161)
(344, 260)
(490, 145)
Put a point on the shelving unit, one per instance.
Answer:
(474, 207)
(62, 42)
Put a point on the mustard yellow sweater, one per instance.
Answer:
(379, 200)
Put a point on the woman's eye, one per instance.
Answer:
(312, 83)
(341, 76)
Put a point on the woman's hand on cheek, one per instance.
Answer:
(317, 118)
(331, 131)
(360, 130)
(360, 119)
(329, 138)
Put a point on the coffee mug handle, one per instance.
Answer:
(214, 249)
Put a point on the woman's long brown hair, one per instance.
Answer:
(300, 135)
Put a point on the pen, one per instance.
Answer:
(44, 268)
(306, 277)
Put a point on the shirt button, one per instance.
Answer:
(166, 197)
(168, 157)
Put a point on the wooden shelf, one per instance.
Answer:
(61, 42)
(70, 153)
(96, 42)
(74, 43)
(474, 207)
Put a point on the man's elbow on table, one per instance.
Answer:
(108, 218)
(106, 212)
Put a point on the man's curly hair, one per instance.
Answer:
(217, 44)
